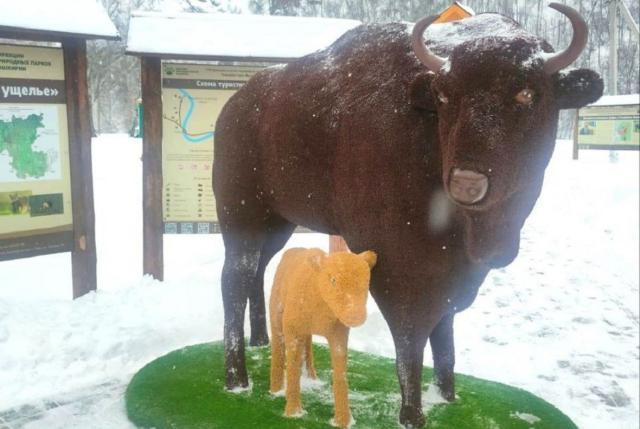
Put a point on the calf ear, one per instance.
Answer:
(577, 88)
(370, 258)
(420, 95)
(316, 261)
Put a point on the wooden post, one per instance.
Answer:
(83, 257)
(576, 130)
(337, 244)
(613, 47)
(153, 230)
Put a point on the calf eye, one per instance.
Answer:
(525, 97)
(443, 98)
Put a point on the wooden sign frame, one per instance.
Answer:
(83, 255)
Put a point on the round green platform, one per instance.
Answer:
(184, 390)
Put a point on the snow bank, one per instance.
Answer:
(229, 35)
(86, 17)
(561, 321)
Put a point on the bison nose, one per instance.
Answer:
(467, 187)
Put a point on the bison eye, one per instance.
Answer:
(525, 97)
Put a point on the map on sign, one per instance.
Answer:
(191, 114)
(29, 143)
(193, 96)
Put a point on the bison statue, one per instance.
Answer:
(432, 155)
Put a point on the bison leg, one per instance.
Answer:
(409, 355)
(442, 348)
(278, 234)
(409, 317)
(242, 255)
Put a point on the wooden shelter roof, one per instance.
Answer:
(231, 37)
(56, 19)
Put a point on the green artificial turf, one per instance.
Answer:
(185, 389)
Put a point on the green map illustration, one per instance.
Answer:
(28, 144)
(17, 138)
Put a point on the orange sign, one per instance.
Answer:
(455, 12)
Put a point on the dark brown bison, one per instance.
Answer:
(433, 163)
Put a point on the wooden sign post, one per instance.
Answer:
(83, 255)
(153, 230)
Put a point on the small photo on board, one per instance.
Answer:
(46, 204)
(623, 130)
(15, 203)
(587, 128)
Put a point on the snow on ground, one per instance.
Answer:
(561, 321)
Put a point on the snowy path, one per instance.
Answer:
(561, 321)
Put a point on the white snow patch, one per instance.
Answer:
(617, 100)
(86, 17)
(352, 422)
(240, 389)
(529, 418)
(308, 384)
(561, 321)
(232, 35)
(433, 396)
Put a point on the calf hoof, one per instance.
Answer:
(411, 417)
(259, 340)
(293, 411)
(341, 422)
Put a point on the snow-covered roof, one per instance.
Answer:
(76, 18)
(466, 8)
(617, 100)
(231, 36)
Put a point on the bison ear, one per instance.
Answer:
(577, 88)
(420, 95)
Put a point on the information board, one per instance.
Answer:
(192, 97)
(35, 184)
(609, 127)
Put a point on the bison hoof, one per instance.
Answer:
(236, 380)
(447, 389)
(448, 393)
(411, 417)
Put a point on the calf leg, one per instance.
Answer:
(277, 352)
(242, 254)
(308, 355)
(278, 233)
(338, 346)
(294, 365)
(442, 348)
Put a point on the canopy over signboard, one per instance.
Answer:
(84, 19)
(231, 37)
(617, 100)
(611, 123)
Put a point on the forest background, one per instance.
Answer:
(114, 77)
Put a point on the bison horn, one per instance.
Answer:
(580, 35)
(428, 58)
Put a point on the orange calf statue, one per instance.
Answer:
(315, 293)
